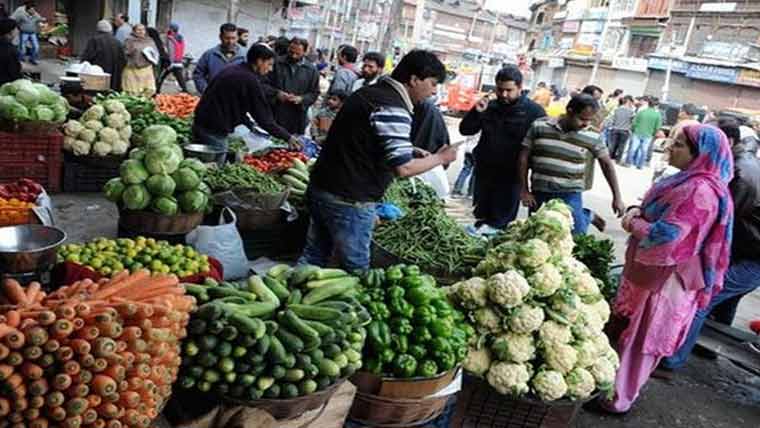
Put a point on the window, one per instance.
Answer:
(641, 46)
(540, 18)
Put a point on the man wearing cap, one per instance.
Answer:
(105, 51)
(10, 66)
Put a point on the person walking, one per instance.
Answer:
(10, 66)
(466, 175)
(346, 74)
(243, 36)
(543, 95)
(502, 123)
(123, 29)
(372, 69)
(556, 153)
(646, 123)
(678, 253)
(369, 145)
(227, 52)
(138, 77)
(743, 275)
(296, 82)
(620, 128)
(28, 20)
(175, 47)
(106, 52)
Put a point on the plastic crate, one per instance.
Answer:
(88, 173)
(34, 156)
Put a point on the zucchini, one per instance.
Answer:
(291, 342)
(300, 166)
(302, 273)
(317, 313)
(295, 297)
(328, 274)
(337, 287)
(291, 320)
(277, 288)
(256, 285)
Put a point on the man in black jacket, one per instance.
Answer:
(105, 51)
(503, 123)
(10, 66)
(743, 275)
(297, 84)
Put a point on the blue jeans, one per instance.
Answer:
(340, 229)
(209, 138)
(465, 176)
(24, 39)
(637, 153)
(742, 277)
(581, 216)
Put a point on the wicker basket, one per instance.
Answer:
(382, 258)
(290, 408)
(389, 387)
(151, 223)
(384, 412)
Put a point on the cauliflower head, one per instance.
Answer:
(119, 147)
(87, 135)
(509, 378)
(564, 247)
(585, 286)
(546, 280)
(108, 135)
(526, 319)
(101, 148)
(552, 332)
(587, 353)
(68, 143)
(580, 383)
(534, 253)
(72, 128)
(561, 357)
(567, 304)
(604, 373)
(549, 385)
(487, 320)
(94, 125)
(613, 357)
(125, 133)
(602, 309)
(114, 106)
(501, 258)
(95, 112)
(507, 289)
(515, 348)
(588, 324)
(550, 226)
(478, 361)
(81, 148)
(471, 294)
(115, 121)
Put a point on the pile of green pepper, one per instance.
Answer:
(135, 105)
(414, 332)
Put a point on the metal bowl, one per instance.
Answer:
(205, 153)
(29, 248)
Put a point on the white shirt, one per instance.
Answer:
(359, 83)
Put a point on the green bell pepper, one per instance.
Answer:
(446, 361)
(378, 310)
(387, 355)
(441, 327)
(428, 281)
(379, 335)
(401, 326)
(399, 343)
(428, 368)
(411, 282)
(373, 366)
(401, 307)
(440, 345)
(420, 296)
(423, 315)
(417, 351)
(460, 352)
(404, 365)
(421, 334)
(394, 274)
(442, 307)
(411, 270)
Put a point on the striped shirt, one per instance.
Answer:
(393, 126)
(558, 159)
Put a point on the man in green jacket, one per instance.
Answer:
(645, 125)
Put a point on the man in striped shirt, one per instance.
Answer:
(555, 152)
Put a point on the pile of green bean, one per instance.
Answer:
(239, 176)
(407, 193)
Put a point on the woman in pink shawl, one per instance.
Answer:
(678, 253)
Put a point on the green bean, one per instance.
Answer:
(233, 176)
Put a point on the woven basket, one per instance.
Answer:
(152, 223)
(382, 258)
(384, 412)
(388, 387)
(290, 408)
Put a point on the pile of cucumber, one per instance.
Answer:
(297, 177)
(289, 333)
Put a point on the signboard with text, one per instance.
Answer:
(630, 63)
(749, 77)
(712, 72)
(571, 26)
(556, 62)
(658, 63)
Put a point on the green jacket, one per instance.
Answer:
(647, 122)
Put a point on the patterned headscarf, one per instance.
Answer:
(678, 205)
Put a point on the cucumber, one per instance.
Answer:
(331, 350)
(311, 343)
(317, 313)
(246, 340)
(337, 287)
(252, 326)
(300, 166)
(256, 285)
(210, 282)
(298, 174)
(293, 182)
(311, 370)
(326, 333)
(289, 340)
(337, 305)
(290, 361)
(196, 326)
(209, 312)
(316, 355)
(289, 391)
(237, 391)
(278, 372)
(278, 271)
(328, 274)
(196, 290)
(265, 382)
(328, 367)
(228, 333)
(262, 346)
(207, 343)
(294, 375)
(297, 325)
(317, 283)
(277, 288)
(222, 292)
(307, 387)
(295, 297)
(302, 273)
(277, 350)
(251, 310)
(254, 393)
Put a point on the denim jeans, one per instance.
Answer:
(637, 153)
(340, 229)
(465, 176)
(581, 216)
(209, 138)
(617, 142)
(742, 277)
(24, 39)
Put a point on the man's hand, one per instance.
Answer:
(420, 153)
(283, 96)
(294, 143)
(447, 154)
(295, 99)
(482, 105)
(528, 199)
(618, 207)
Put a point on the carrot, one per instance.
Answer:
(64, 353)
(113, 423)
(14, 339)
(32, 352)
(104, 346)
(4, 351)
(71, 367)
(88, 333)
(19, 405)
(80, 346)
(36, 335)
(108, 410)
(14, 358)
(99, 423)
(46, 360)
(14, 292)
(26, 323)
(79, 390)
(62, 328)
(38, 388)
(115, 287)
(13, 381)
(57, 413)
(93, 400)
(62, 381)
(33, 291)
(5, 407)
(36, 401)
(84, 376)
(54, 399)
(31, 414)
(16, 417)
(104, 385)
(39, 423)
(100, 365)
(5, 371)
(89, 416)
(78, 323)
(31, 371)
(87, 360)
(13, 318)
(51, 345)
(66, 311)
(46, 317)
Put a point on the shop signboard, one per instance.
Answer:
(571, 26)
(556, 62)
(592, 26)
(712, 72)
(749, 77)
(630, 63)
(659, 63)
(725, 50)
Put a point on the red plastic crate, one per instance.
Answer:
(38, 157)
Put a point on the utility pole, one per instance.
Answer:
(669, 70)
(600, 51)
(419, 15)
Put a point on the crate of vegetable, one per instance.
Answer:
(37, 157)
(89, 173)
(275, 341)
(17, 202)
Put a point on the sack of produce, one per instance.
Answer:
(223, 242)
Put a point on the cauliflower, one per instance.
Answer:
(72, 128)
(552, 332)
(501, 258)
(549, 385)
(477, 361)
(567, 304)
(601, 342)
(119, 147)
(115, 121)
(588, 324)
(604, 373)
(95, 112)
(569, 266)
(585, 286)
(68, 143)
(507, 289)
(564, 247)
(534, 253)
(125, 133)
(587, 353)
(93, 125)
(550, 226)
(509, 378)
(108, 135)
(101, 148)
(487, 320)
(559, 206)
(81, 148)
(580, 383)
(546, 280)
(526, 319)
(87, 135)
(114, 106)
(612, 356)
(561, 357)
(516, 348)
(471, 294)
(602, 308)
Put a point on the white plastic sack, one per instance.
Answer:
(256, 140)
(222, 242)
(438, 180)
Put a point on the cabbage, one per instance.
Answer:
(114, 189)
(136, 197)
(133, 172)
(12, 88)
(159, 134)
(46, 95)
(193, 201)
(194, 164)
(165, 205)
(162, 160)
(12, 109)
(203, 187)
(60, 111)
(160, 185)
(43, 113)
(28, 97)
(186, 179)
(137, 153)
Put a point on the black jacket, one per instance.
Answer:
(104, 50)
(10, 67)
(503, 128)
(429, 130)
(745, 188)
(300, 79)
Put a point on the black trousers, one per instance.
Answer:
(618, 141)
(496, 197)
(179, 74)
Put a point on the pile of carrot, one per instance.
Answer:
(180, 105)
(92, 354)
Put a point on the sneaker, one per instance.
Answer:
(472, 230)
(33, 62)
(487, 230)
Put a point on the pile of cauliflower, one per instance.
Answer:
(102, 130)
(539, 314)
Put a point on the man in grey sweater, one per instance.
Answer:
(28, 20)
(620, 127)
